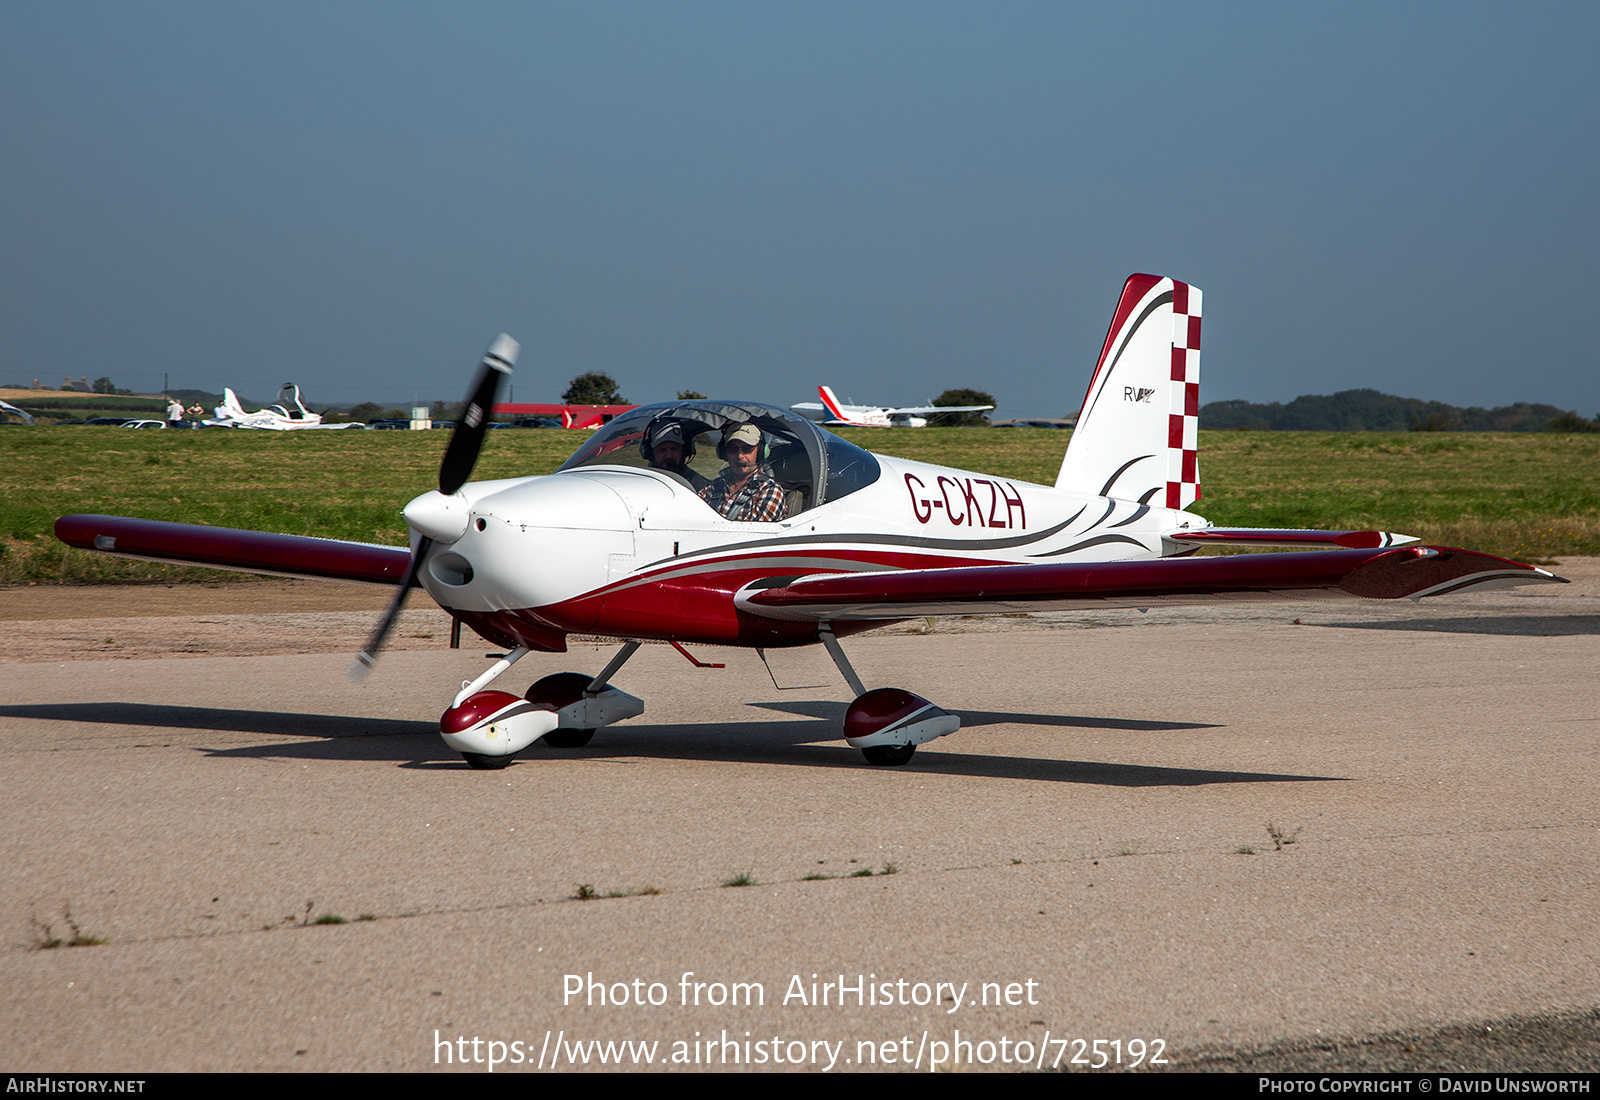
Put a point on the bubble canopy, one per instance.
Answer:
(802, 456)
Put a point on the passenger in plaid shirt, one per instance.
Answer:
(745, 490)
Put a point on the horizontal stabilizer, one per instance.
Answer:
(1001, 589)
(229, 548)
(1268, 536)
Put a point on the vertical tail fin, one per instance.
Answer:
(831, 403)
(1135, 437)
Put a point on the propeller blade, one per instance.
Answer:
(467, 440)
(369, 656)
(459, 458)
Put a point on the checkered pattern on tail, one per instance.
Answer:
(1183, 417)
(1135, 438)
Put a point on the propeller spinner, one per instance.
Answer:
(442, 516)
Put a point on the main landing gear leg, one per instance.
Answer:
(887, 724)
(585, 703)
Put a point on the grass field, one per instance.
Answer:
(1529, 496)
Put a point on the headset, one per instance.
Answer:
(763, 449)
(646, 451)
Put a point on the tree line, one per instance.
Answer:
(1372, 411)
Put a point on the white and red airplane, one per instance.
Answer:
(835, 414)
(287, 415)
(610, 545)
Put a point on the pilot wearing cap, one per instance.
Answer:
(665, 448)
(744, 490)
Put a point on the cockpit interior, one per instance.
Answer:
(812, 465)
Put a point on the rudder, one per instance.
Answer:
(1136, 433)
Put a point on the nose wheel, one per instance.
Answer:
(488, 763)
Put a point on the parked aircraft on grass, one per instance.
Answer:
(287, 415)
(835, 414)
(617, 542)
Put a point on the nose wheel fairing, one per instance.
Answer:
(495, 724)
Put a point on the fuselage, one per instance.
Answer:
(273, 418)
(634, 552)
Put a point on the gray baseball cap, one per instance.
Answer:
(670, 432)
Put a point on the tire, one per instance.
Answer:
(488, 763)
(568, 738)
(889, 755)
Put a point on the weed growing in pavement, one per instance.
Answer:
(587, 892)
(45, 939)
(743, 878)
(1281, 838)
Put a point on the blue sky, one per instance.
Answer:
(749, 199)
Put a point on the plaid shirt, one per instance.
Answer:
(761, 499)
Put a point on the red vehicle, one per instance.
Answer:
(569, 416)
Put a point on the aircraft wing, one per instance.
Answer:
(20, 412)
(1384, 574)
(934, 410)
(229, 548)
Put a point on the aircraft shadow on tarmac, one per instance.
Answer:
(1531, 626)
(834, 712)
(813, 743)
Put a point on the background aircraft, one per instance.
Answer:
(613, 544)
(287, 415)
(836, 414)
